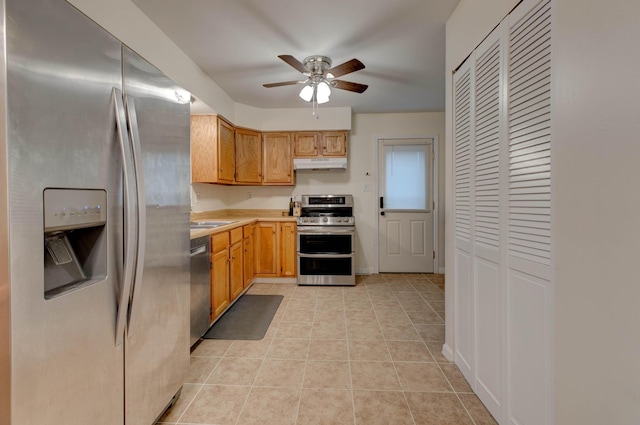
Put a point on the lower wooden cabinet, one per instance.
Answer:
(220, 295)
(249, 232)
(266, 249)
(276, 249)
(238, 256)
(287, 249)
(236, 282)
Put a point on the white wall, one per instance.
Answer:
(365, 132)
(596, 130)
(292, 119)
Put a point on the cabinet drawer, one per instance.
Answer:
(219, 242)
(236, 235)
(246, 230)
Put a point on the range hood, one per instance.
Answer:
(319, 164)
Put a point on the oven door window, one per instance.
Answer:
(325, 244)
(318, 266)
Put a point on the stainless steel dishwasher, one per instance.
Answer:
(200, 287)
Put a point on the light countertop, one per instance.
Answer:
(238, 218)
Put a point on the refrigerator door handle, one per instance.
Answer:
(134, 134)
(130, 231)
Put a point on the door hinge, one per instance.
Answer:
(434, 255)
(434, 205)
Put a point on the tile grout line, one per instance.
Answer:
(306, 362)
(252, 385)
(351, 389)
(404, 393)
(202, 384)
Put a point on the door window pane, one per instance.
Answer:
(405, 185)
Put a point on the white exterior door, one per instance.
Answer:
(405, 211)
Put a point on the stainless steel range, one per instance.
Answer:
(326, 240)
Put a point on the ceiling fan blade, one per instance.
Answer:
(346, 68)
(293, 62)
(348, 85)
(284, 83)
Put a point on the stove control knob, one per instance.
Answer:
(339, 220)
(325, 219)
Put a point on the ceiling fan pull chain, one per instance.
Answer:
(314, 104)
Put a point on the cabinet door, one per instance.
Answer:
(247, 261)
(204, 134)
(266, 249)
(219, 282)
(236, 282)
(287, 248)
(334, 143)
(249, 232)
(305, 144)
(226, 151)
(248, 156)
(277, 159)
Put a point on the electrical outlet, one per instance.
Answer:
(249, 194)
(368, 187)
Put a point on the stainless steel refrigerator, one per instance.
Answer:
(94, 234)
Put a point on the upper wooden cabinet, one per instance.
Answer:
(248, 157)
(305, 144)
(226, 151)
(223, 154)
(334, 143)
(277, 155)
(310, 144)
(212, 150)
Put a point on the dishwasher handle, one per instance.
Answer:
(198, 250)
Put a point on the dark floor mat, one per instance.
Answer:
(248, 318)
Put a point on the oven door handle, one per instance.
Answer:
(302, 254)
(324, 231)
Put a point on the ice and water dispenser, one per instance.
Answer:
(75, 239)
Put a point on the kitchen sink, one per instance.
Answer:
(209, 224)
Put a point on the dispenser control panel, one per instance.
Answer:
(74, 208)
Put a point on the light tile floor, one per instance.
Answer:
(363, 355)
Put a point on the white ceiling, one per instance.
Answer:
(236, 42)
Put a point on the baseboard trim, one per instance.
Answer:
(447, 352)
(276, 280)
(441, 270)
(365, 270)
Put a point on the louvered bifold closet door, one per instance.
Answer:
(529, 305)
(489, 193)
(463, 139)
(530, 137)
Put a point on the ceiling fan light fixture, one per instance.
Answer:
(306, 93)
(323, 92)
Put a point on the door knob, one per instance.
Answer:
(382, 213)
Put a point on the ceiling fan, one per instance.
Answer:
(321, 77)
